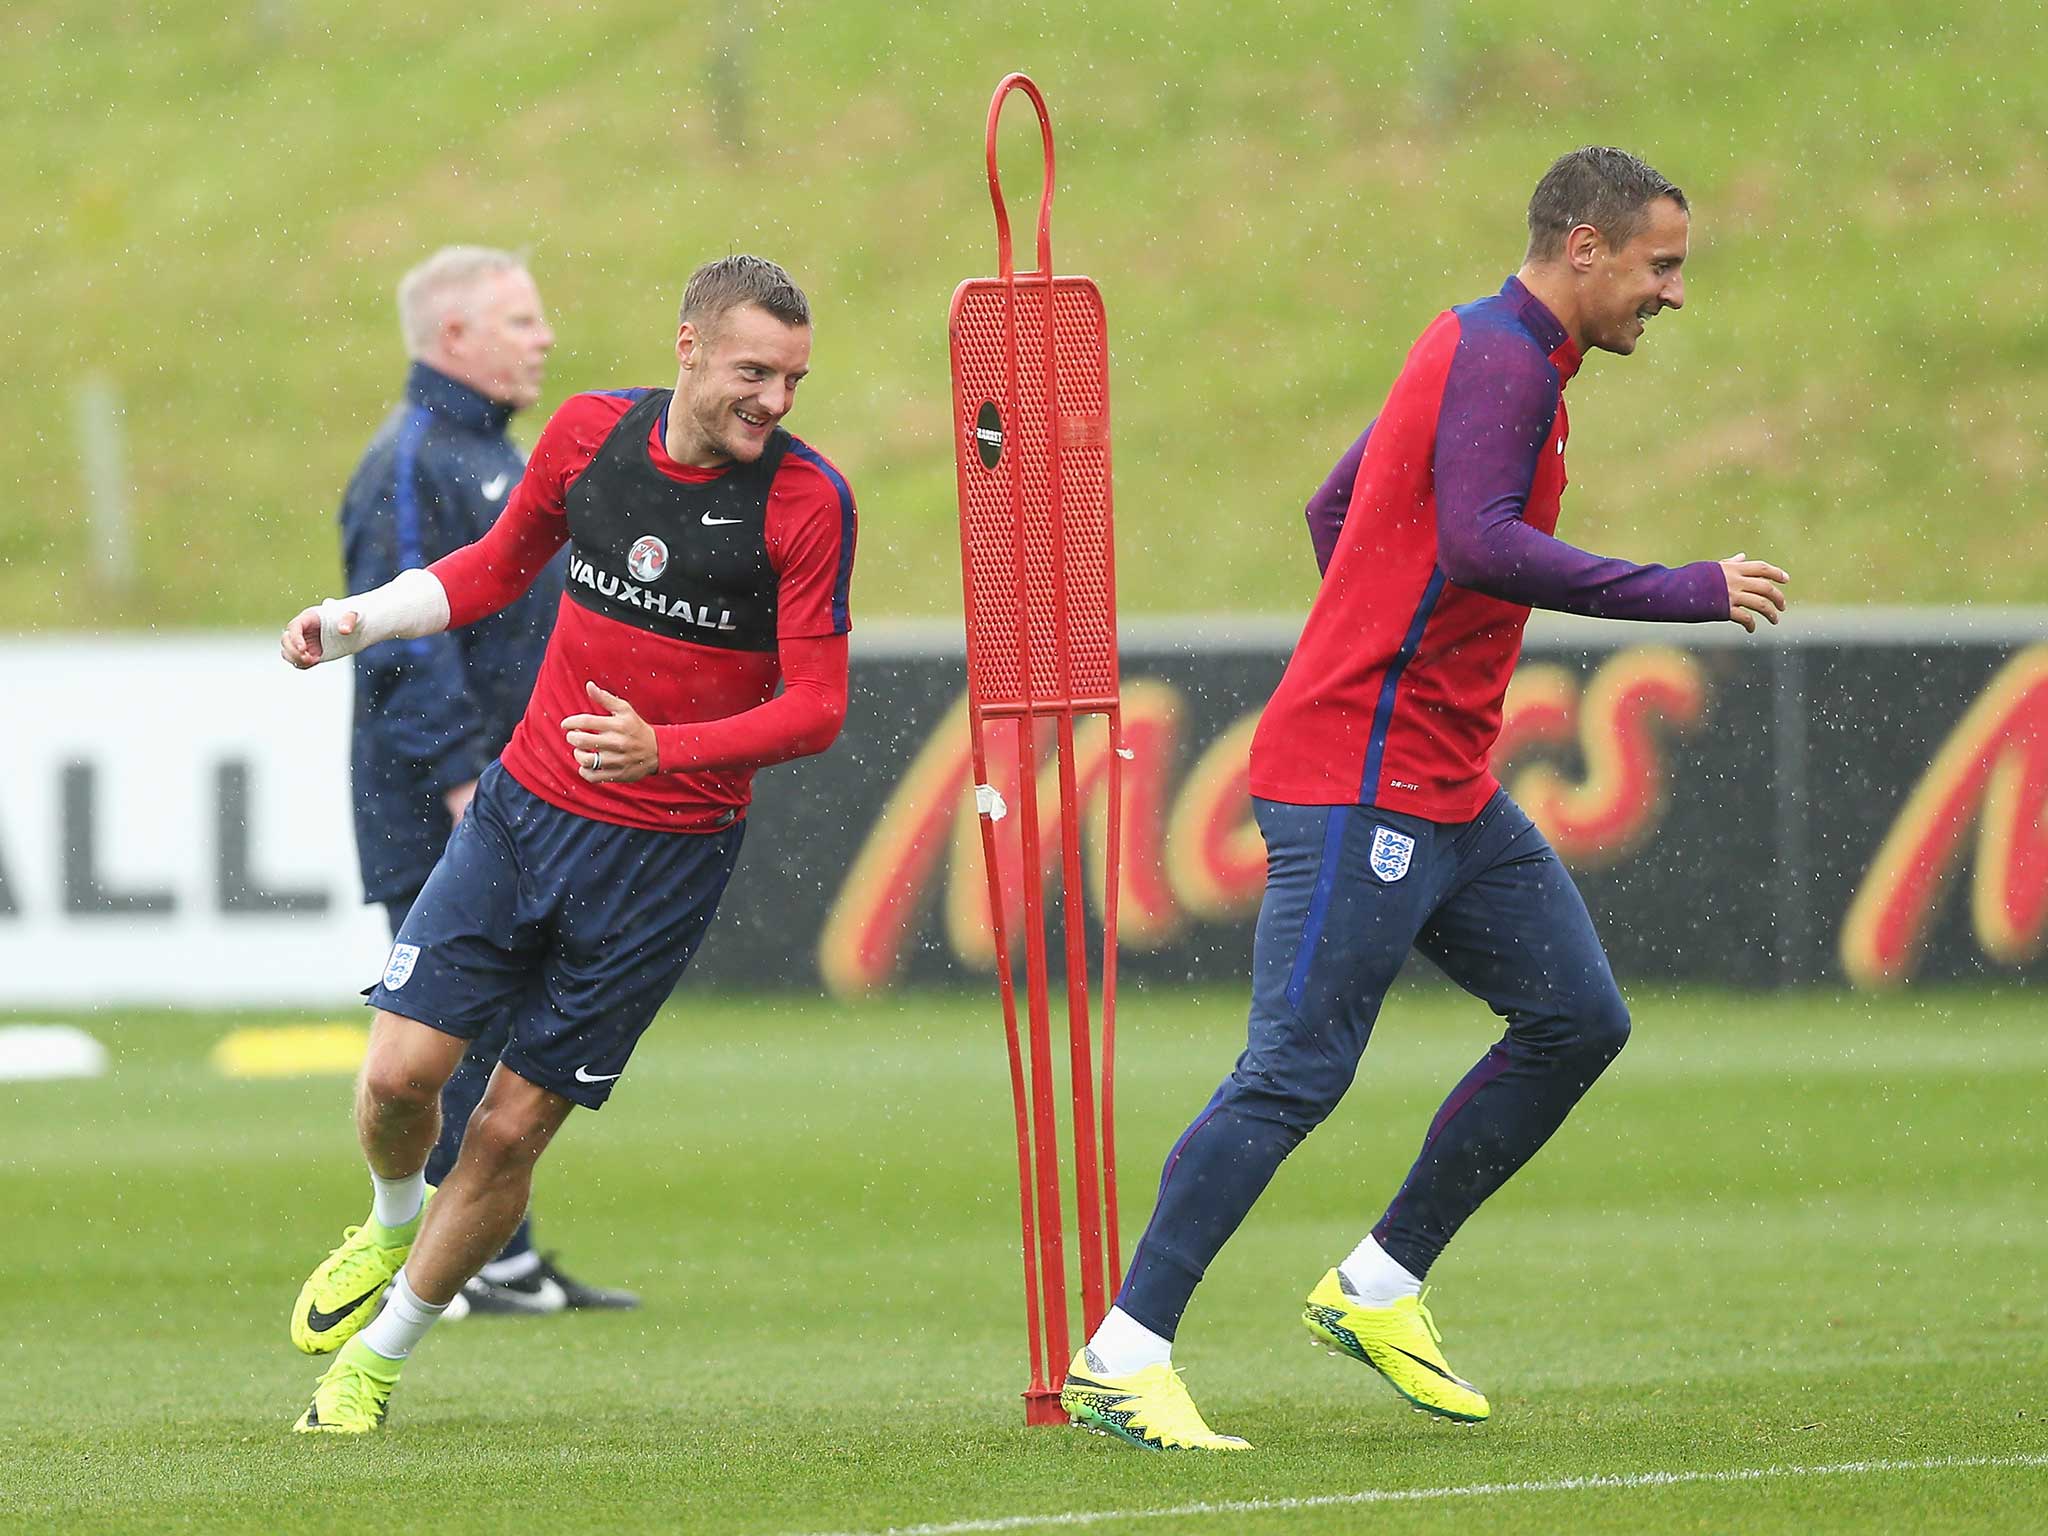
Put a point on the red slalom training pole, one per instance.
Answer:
(1031, 434)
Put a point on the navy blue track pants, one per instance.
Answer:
(1349, 890)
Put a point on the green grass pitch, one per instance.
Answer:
(1789, 1233)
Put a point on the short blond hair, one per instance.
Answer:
(446, 282)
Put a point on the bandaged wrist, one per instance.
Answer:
(413, 603)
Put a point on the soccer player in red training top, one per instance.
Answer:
(1384, 828)
(709, 558)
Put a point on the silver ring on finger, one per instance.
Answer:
(596, 758)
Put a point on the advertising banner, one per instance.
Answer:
(1854, 800)
(174, 826)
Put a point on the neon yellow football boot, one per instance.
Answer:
(1400, 1342)
(353, 1395)
(341, 1296)
(1150, 1408)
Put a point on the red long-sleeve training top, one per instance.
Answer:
(692, 594)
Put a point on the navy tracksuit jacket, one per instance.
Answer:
(433, 713)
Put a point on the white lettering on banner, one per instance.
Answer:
(183, 855)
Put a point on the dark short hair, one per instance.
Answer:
(1609, 189)
(719, 287)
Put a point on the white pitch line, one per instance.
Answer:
(1417, 1495)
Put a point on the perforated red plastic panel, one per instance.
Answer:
(990, 523)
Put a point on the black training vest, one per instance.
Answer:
(688, 561)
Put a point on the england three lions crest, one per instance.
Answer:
(399, 971)
(647, 559)
(1391, 853)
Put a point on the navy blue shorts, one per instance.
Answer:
(572, 931)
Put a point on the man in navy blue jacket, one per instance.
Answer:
(431, 714)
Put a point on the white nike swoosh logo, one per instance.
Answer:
(583, 1075)
(713, 522)
(493, 489)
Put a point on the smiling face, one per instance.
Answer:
(1621, 289)
(738, 379)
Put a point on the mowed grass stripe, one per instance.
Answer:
(1080, 1518)
(1731, 1258)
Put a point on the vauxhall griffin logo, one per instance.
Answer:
(648, 559)
(988, 434)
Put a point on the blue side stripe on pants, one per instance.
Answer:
(1318, 905)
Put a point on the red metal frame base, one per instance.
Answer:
(1042, 1406)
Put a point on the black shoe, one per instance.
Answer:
(578, 1296)
(533, 1294)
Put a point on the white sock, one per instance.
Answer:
(403, 1322)
(394, 1202)
(518, 1267)
(1375, 1279)
(1122, 1345)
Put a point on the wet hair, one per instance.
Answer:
(719, 287)
(444, 282)
(1609, 189)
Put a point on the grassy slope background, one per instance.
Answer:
(211, 213)
(1801, 1230)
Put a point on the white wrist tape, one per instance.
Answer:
(411, 604)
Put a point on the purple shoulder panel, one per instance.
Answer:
(1500, 401)
(1332, 500)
